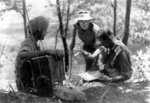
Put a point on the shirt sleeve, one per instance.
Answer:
(125, 64)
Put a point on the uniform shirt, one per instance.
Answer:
(120, 62)
(123, 64)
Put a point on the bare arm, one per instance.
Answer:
(31, 54)
(119, 79)
(58, 54)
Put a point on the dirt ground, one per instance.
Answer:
(121, 93)
(95, 93)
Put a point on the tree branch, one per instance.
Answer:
(24, 17)
(62, 36)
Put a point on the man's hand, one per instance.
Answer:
(58, 54)
(83, 51)
(104, 51)
(105, 79)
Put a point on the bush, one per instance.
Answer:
(141, 65)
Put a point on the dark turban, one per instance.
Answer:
(38, 23)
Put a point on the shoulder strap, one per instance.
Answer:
(117, 51)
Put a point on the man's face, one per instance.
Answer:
(84, 24)
(43, 34)
(106, 43)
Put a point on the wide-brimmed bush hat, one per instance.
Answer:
(83, 16)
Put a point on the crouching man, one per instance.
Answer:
(115, 56)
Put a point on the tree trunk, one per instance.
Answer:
(24, 17)
(115, 16)
(127, 22)
(63, 36)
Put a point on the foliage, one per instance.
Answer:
(7, 2)
(143, 5)
(101, 10)
(141, 65)
(104, 15)
(140, 25)
(13, 5)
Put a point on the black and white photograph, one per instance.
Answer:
(74, 51)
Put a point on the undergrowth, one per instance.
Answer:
(141, 65)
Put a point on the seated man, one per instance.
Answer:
(37, 28)
(115, 57)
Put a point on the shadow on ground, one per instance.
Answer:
(121, 93)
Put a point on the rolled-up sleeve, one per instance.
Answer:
(125, 64)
